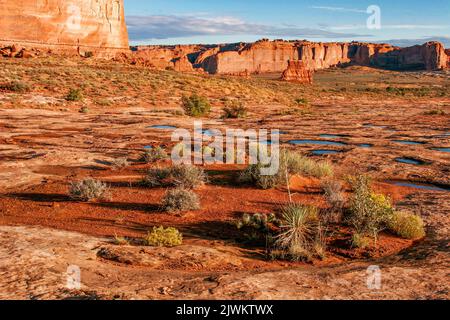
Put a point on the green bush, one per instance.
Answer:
(301, 236)
(360, 241)
(89, 190)
(74, 95)
(301, 101)
(180, 200)
(153, 155)
(84, 109)
(234, 110)
(161, 237)
(407, 225)
(195, 106)
(369, 213)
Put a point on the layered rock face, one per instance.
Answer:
(297, 72)
(447, 51)
(273, 56)
(430, 56)
(86, 25)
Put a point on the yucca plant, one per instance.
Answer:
(300, 228)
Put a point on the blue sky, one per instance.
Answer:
(209, 21)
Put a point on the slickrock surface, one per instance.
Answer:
(35, 261)
(83, 25)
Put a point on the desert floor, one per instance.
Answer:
(46, 142)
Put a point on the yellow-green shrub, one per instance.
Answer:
(161, 237)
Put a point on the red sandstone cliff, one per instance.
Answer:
(83, 25)
(273, 56)
(447, 51)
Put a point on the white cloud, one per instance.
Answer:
(339, 9)
(164, 27)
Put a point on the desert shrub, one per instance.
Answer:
(301, 236)
(195, 105)
(180, 200)
(74, 95)
(234, 110)
(119, 163)
(163, 237)
(154, 155)
(88, 54)
(252, 175)
(301, 101)
(155, 177)
(435, 112)
(84, 109)
(89, 190)
(360, 241)
(187, 176)
(334, 193)
(15, 86)
(407, 225)
(369, 213)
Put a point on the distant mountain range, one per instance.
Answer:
(412, 42)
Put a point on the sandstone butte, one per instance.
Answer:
(81, 26)
(297, 72)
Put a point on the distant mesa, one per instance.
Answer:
(97, 28)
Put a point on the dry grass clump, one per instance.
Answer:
(154, 155)
(291, 163)
(119, 163)
(301, 165)
(89, 190)
(15, 86)
(163, 237)
(180, 200)
(407, 225)
(121, 241)
(195, 105)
